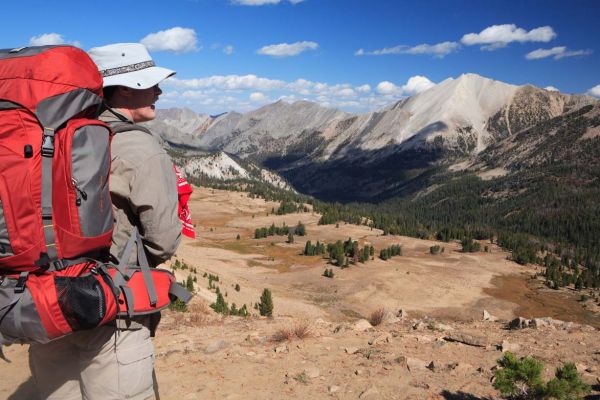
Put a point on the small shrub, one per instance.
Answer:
(302, 378)
(470, 246)
(567, 384)
(237, 287)
(435, 249)
(178, 306)
(521, 379)
(238, 237)
(302, 330)
(377, 316)
(283, 335)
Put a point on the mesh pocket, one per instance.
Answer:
(81, 300)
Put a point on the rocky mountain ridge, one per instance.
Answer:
(221, 166)
(466, 114)
(322, 151)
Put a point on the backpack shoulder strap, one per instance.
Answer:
(122, 126)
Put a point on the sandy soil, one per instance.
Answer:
(201, 355)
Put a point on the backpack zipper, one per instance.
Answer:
(78, 192)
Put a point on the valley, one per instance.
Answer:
(201, 354)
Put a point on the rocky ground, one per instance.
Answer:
(402, 358)
(319, 344)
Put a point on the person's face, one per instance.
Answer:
(141, 104)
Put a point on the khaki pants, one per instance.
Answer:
(99, 364)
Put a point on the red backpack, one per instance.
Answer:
(56, 216)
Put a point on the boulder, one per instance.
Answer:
(464, 338)
(488, 317)
(519, 323)
(419, 326)
(341, 328)
(512, 347)
(433, 366)
(442, 327)
(351, 350)
(416, 364)
(281, 349)
(333, 388)
(537, 323)
(402, 313)
(385, 338)
(312, 373)
(362, 325)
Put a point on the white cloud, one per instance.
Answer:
(417, 84)
(439, 50)
(345, 92)
(177, 39)
(245, 92)
(257, 97)
(556, 52)
(497, 36)
(595, 91)
(388, 88)
(551, 89)
(47, 39)
(228, 50)
(261, 2)
(228, 82)
(287, 49)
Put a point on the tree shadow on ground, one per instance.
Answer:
(595, 388)
(461, 396)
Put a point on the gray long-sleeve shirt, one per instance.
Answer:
(143, 188)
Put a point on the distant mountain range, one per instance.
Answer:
(377, 155)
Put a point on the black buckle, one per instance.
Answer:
(47, 264)
(43, 261)
(48, 146)
(20, 287)
(57, 265)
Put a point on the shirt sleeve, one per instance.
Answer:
(153, 198)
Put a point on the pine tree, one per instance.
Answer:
(243, 311)
(189, 283)
(265, 306)
(308, 249)
(300, 229)
(220, 306)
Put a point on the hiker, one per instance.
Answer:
(116, 361)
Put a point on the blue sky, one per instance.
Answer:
(356, 55)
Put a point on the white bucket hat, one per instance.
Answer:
(128, 64)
